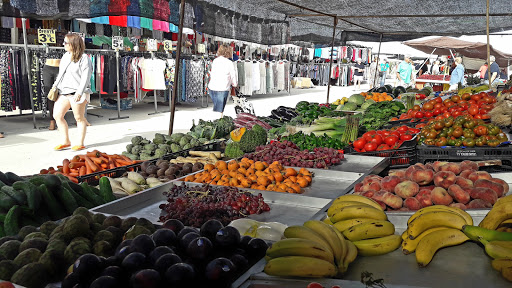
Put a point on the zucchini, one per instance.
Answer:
(2, 217)
(106, 190)
(18, 196)
(37, 180)
(52, 182)
(3, 178)
(2, 184)
(11, 177)
(80, 191)
(81, 201)
(2, 231)
(66, 198)
(90, 195)
(33, 194)
(11, 224)
(55, 210)
(6, 201)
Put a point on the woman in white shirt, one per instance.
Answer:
(223, 77)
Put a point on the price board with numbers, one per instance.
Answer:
(117, 42)
(46, 36)
(152, 45)
(168, 45)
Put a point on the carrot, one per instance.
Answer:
(90, 163)
(76, 165)
(105, 160)
(104, 166)
(74, 170)
(65, 166)
(76, 158)
(60, 167)
(123, 162)
(127, 159)
(43, 171)
(96, 160)
(104, 155)
(88, 169)
(111, 164)
(73, 179)
(94, 153)
(73, 174)
(82, 171)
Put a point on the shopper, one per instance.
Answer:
(404, 72)
(495, 71)
(373, 71)
(358, 73)
(435, 68)
(223, 77)
(483, 70)
(457, 76)
(384, 67)
(73, 83)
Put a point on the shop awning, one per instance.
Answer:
(465, 48)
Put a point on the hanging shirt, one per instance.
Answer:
(222, 75)
(153, 74)
(146, 23)
(118, 21)
(133, 21)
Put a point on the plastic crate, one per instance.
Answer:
(497, 168)
(398, 158)
(432, 153)
(111, 104)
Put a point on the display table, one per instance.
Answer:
(420, 83)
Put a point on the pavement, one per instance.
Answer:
(25, 150)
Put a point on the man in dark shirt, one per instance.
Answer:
(358, 73)
(495, 71)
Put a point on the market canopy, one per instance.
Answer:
(443, 45)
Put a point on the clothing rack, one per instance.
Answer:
(154, 92)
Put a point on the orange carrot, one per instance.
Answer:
(76, 158)
(74, 170)
(89, 163)
(76, 165)
(111, 164)
(43, 171)
(96, 160)
(65, 166)
(122, 162)
(104, 166)
(103, 159)
(82, 171)
(73, 174)
(94, 153)
(73, 179)
(88, 169)
(127, 159)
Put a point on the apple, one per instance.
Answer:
(441, 197)
(407, 189)
(444, 179)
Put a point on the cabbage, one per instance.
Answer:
(367, 104)
(358, 99)
(349, 106)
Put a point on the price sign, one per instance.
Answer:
(168, 45)
(117, 43)
(46, 36)
(152, 45)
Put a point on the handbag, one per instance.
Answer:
(53, 95)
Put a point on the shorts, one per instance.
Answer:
(358, 78)
(71, 98)
(219, 99)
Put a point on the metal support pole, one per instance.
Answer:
(118, 91)
(377, 66)
(23, 21)
(177, 72)
(424, 62)
(488, 46)
(330, 63)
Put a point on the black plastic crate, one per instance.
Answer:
(433, 153)
(398, 158)
(497, 168)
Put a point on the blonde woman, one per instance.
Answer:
(73, 83)
(223, 77)
(457, 76)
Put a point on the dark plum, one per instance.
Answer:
(88, 266)
(180, 274)
(244, 241)
(147, 278)
(71, 280)
(113, 271)
(240, 262)
(220, 270)
(185, 231)
(158, 252)
(227, 236)
(104, 282)
(111, 261)
(123, 252)
(165, 261)
(164, 237)
(174, 225)
(257, 248)
(186, 239)
(200, 248)
(134, 261)
(143, 244)
(210, 228)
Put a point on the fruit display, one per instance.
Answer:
(376, 96)
(38, 256)
(379, 114)
(363, 221)
(432, 228)
(340, 101)
(248, 121)
(270, 231)
(172, 256)
(313, 250)
(501, 114)
(252, 174)
(288, 154)
(91, 162)
(131, 183)
(359, 102)
(35, 200)
(452, 184)
(473, 90)
(194, 205)
(386, 139)
(166, 170)
(434, 77)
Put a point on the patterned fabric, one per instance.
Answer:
(146, 8)
(98, 7)
(134, 8)
(47, 7)
(207, 76)
(6, 100)
(118, 7)
(174, 9)
(162, 11)
(195, 77)
(25, 6)
(241, 73)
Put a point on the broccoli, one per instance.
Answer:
(175, 148)
(136, 140)
(137, 149)
(194, 143)
(253, 138)
(187, 146)
(129, 148)
(193, 134)
(144, 156)
(233, 150)
(132, 156)
(159, 138)
(150, 147)
(145, 141)
(168, 138)
(176, 137)
(159, 153)
(207, 132)
(199, 131)
(184, 141)
(203, 140)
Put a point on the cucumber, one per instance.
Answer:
(90, 195)
(11, 177)
(106, 190)
(18, 196)
(2, 231)
(66, 198)
(6, 201)
(37, 180)
(3, 178)
(11, 224)
(52, 182)
(55, 210)
(2, 184)
(33, 194)
(81, 201)
(2, 217)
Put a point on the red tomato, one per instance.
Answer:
(436, 111)
(415, 130)
(473, 110)
(438, 100)
(370, 146)
(396, 133)
(359, 143)
(429, 114)
(402, 128)
(383, 147)
(419, 114)
(440, 117)
(478, 116)
(476, 97)
(406, 137)
(385, 133)
(377, 139)
(368, 135)
(391, 140)
(456, 113)
(446, 114)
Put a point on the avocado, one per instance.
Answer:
(75, 250)
(84, 212)
(10, 249)
(128, 223)
(26, 230)
(32, 275)
(103, 248)
(55, 263)
(135, 231)
(146, 223)
(99, 218)
(48, 227)
(35, 235)
(38, 243)
(28, 256)
(112, 221)
(58, 229)
(96, 227)
(118, 234)
(7, 269)
(104, 235)
(57, 244)
(82, 239)
(76, 226)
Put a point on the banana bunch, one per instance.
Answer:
(432, 228)
(315, 249)
(362, 221)
(341, 101)
(500, 215)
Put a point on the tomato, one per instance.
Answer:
(396, 133)
(368, 135)
(466, 96)
(448, 122)
(436, 111)
(430, 142)
(483, 94)
(391, 140)
(458, 142)
(419, 114)
(473, 110)
(441, 141)
(421, 125)
(455, 98)
(402, 128)
(446, 114)
(406, 137)
(478, 116)
(416, 108)
(470, 124)
(359, 143)
(493, 129)
(471, 102)
(456, 113)
(476, 97)
(480, 130)
(493, 142)
(414, 130)
(377, 139)
(468, 133)
(457, 132)
(383, 147)
(428, 106)
(481, 141)
(385, 133)
(370, 146)
(429, 114)
(468, 142)
(438, 99)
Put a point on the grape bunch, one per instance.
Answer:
(288, 154)
(195, 205)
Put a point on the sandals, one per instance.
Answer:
(78, 148)
(61, 147)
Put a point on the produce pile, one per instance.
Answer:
(382, 140)
(248, 121)
(245, 140)
(282, 115)
(376, 96)
(378, 114)
(501, 114)
(271, 231)
(310, 142)
(195, 205)
(435, 77)
(452, 184)
(473, 90)
(356, 102)
(91, 162)
(395, 91)
(131, 183)
(35, 200)
(255, 175)
(330, 127)
(38, 256)
(165, 169)
(288, 154)
(311, 111)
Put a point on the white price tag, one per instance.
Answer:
(46, 36)
(117, 42)
(152, 45)
(168, 45)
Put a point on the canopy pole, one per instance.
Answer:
(177, 69)
(377, 66)
(330, 63)
(25, 44)
(488, 46)
(424, 62)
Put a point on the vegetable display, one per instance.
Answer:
(253, 138)
(378, 114)
(377, 97)
(216, 129)
(382, 140)
(305, 141)
(311, 111)
(248, 121)
(332, 127)
(501, 114)
(283, 114)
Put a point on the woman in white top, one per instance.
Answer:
(223, 77)
(73, 83)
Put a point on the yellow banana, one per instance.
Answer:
(299, 266)
(305, 233)
(344, 246)
(349, 257)
(327, 221)
(496, 251)
(378, 246)
(507, 223)
(329, 234)
(435, 219)
(499, 264)
(359, 211)
(507, 273)
(337, 206)
(436, 240)
(503, 200)
(369, 230)
(409, 246)
(405, 235)
(497, 215)
(464, 214)
(300, 247)
(347, 224)
(357, 198)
